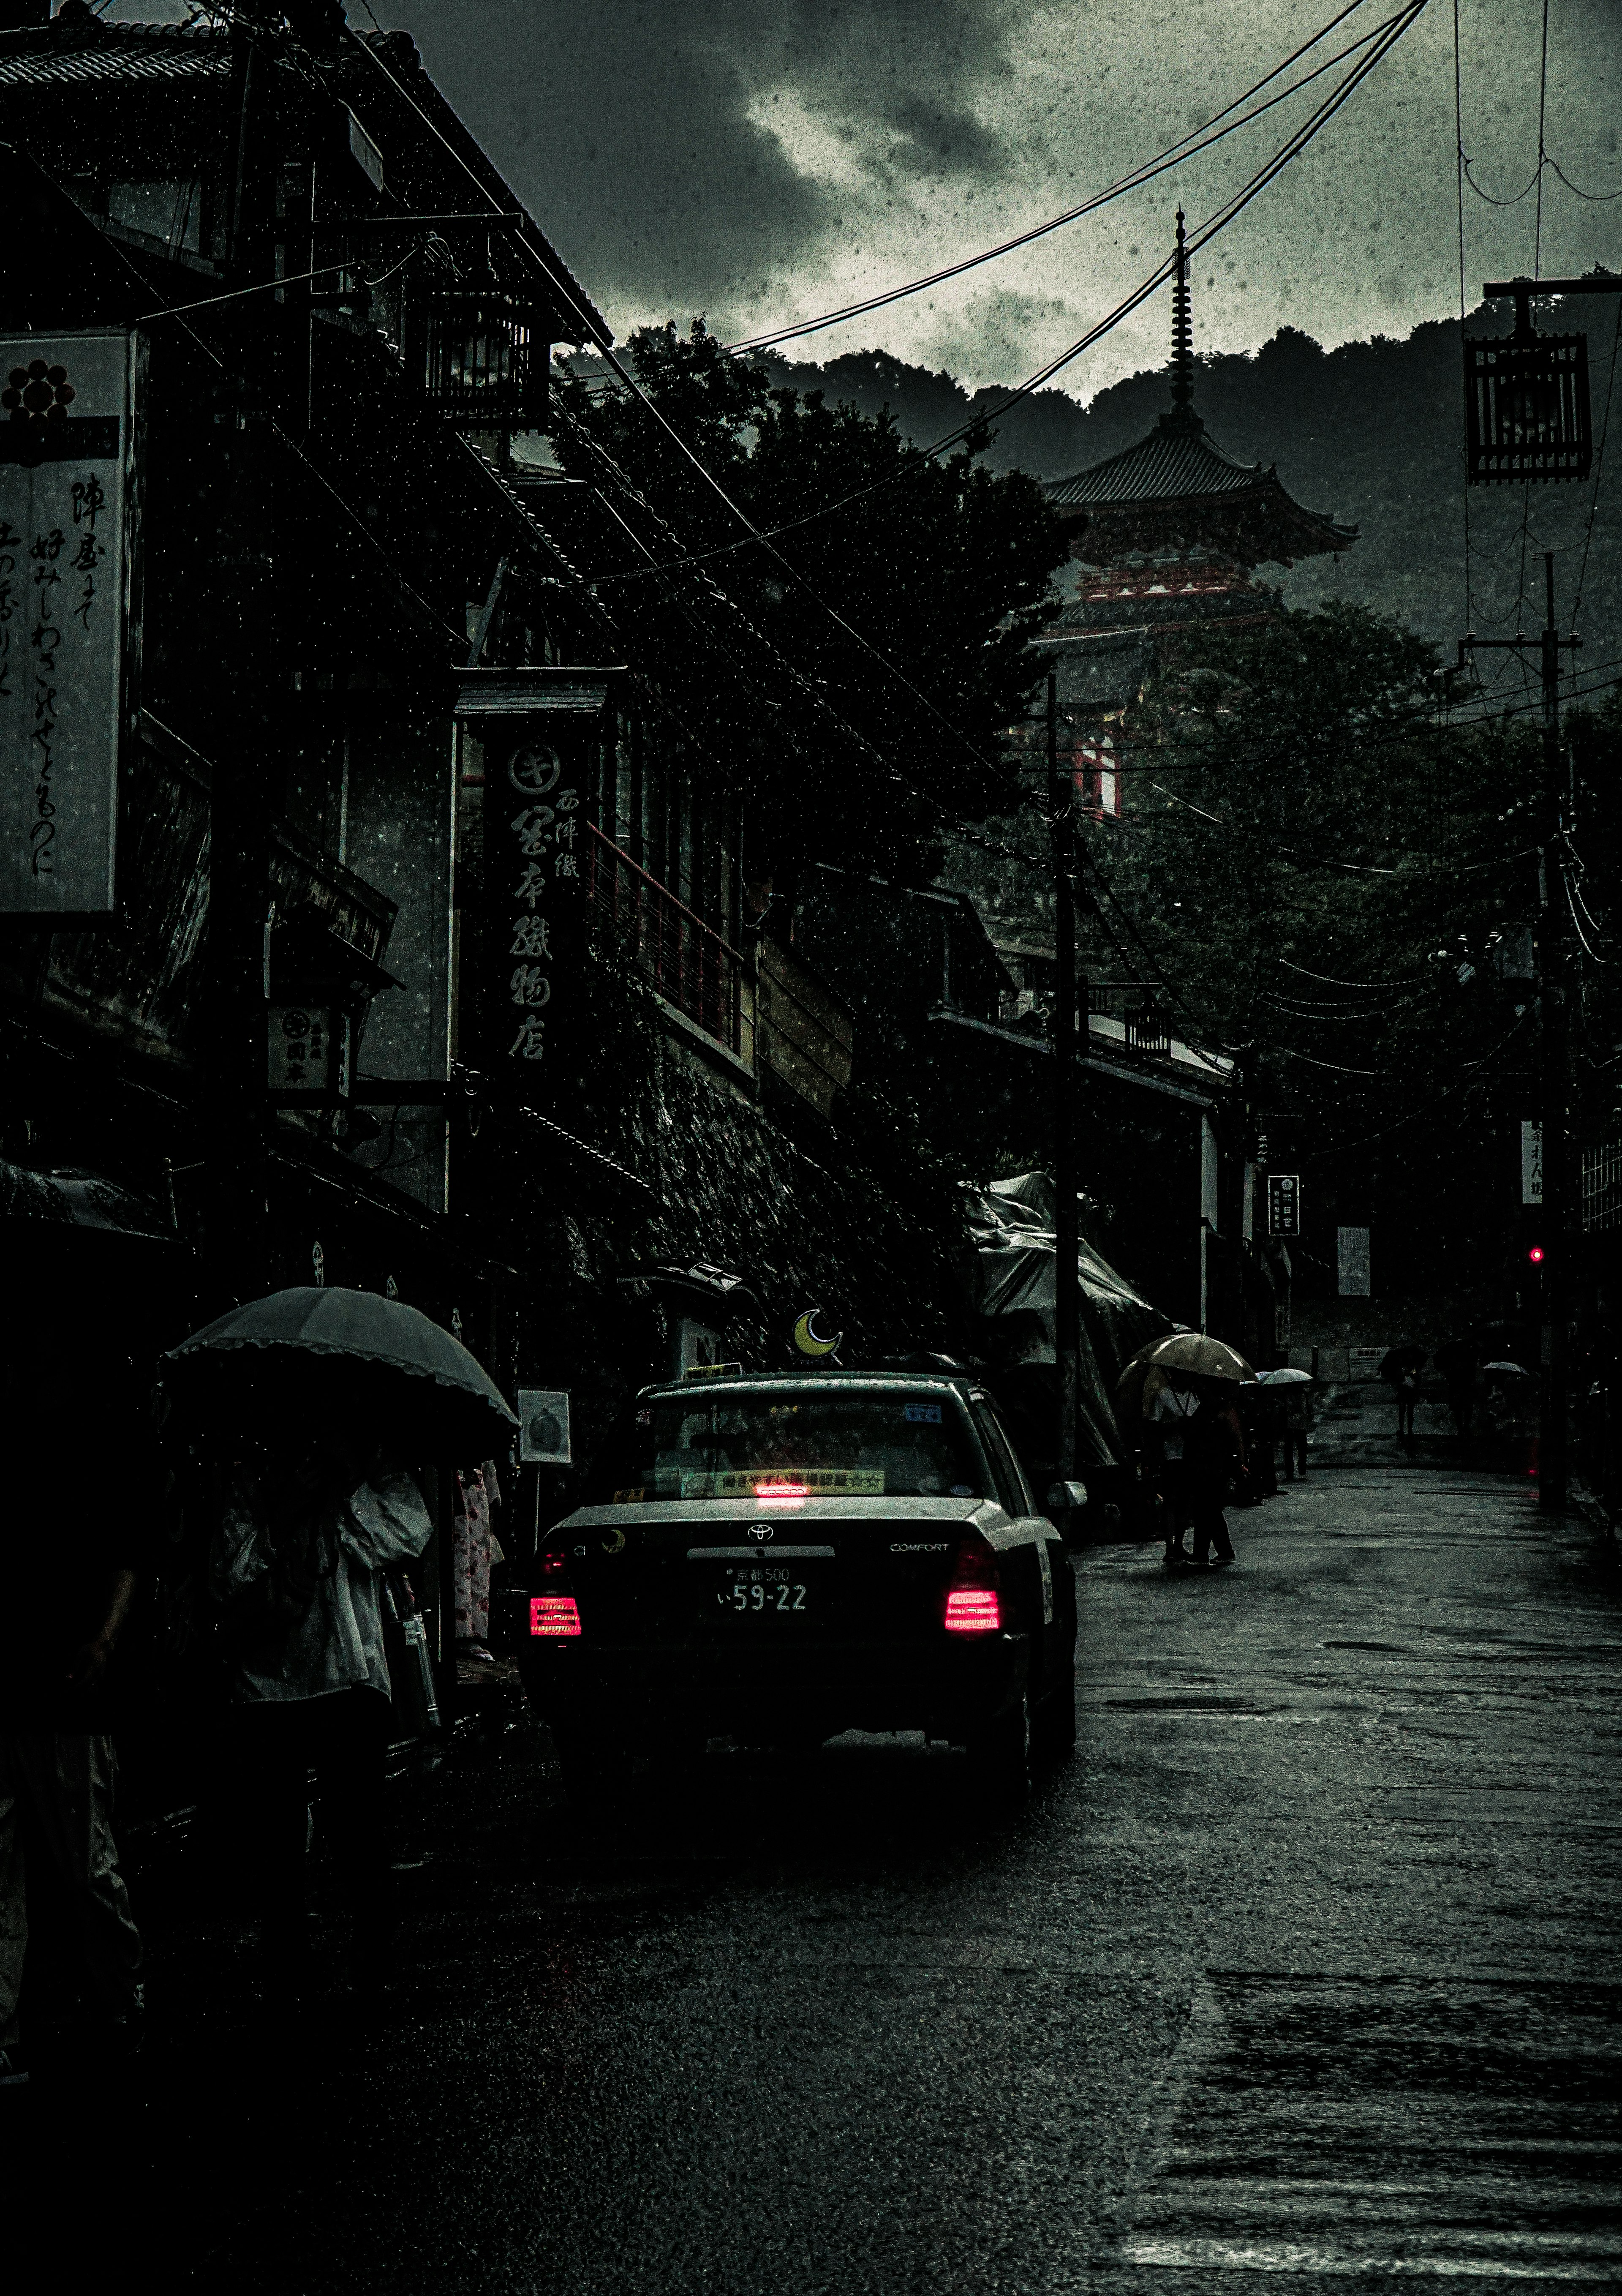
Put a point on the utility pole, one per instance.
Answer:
(1067, 1316)
(1554, 1010)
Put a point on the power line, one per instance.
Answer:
(1458, 104)
(1197, 139)
(1542, 156)
(1216, 222)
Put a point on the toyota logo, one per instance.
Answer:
(761, 1531)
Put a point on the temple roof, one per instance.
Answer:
(1177, 487)
(1178, 457)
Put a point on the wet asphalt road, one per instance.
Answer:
(1307, 1964)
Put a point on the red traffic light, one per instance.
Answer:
(1535, 1255)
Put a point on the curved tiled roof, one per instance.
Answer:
(1177, 485)
(1176, 459)
(67, 51)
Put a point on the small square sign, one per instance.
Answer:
(543, 1427)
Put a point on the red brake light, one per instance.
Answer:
(781, 1490)
(553, 1614)
(552, 1562)
(973, 1611)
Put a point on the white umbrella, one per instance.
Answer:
(1286, 1376)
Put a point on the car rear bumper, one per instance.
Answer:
(950, 1690)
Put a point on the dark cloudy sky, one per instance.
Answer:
(763, 159)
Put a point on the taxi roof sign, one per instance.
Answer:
(712, 1371)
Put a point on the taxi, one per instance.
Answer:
(777, 1560)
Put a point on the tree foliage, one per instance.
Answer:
(857, 692)
(1329, 851)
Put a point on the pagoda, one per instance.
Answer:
(1164, 539)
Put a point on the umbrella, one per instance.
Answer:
(1185, 1355)
(407, 1358)
(1519, 1370)
(1287, 1376)
(1199, 1356)
(1407, 1355)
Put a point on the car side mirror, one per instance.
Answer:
(1062, 1497)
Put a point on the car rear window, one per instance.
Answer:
(802, 1442)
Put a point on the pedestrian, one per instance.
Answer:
(1213, 1453)
(1168, 1411)
(473, 1550)
(1405, 1387)
(1262, 1413)
(307, 1532)
(1297, 1420)
(1456, 1362)
(79, 1523)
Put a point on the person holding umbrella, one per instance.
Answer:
(1291, 1390)
(1400, 1369)
(1190, 1382)
(340, 1386)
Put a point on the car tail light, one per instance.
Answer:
(973, 1611)
(553, 1614)
(973, 1604)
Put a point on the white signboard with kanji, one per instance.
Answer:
(1531, 1162)
(65, 414)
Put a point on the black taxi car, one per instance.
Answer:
(777, 1560)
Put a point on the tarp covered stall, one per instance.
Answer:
(1009, 1276)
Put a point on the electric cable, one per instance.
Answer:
(1458, 113)
(1599, 469)
(1600, 199)
(1216, 222)
(1543, 98)
(1198, 139)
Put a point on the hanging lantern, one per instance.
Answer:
(1526, 396)
(484, 361)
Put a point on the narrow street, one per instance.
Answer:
(1307, 1964)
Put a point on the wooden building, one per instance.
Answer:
(384, 927)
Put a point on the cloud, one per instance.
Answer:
(657, 139)
(763, 159)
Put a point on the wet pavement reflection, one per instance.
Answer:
(1305, 1965)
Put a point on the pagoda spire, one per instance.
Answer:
(1182, 330)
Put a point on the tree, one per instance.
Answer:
(857, 692)
(1328, 858)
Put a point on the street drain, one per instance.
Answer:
(1401, 2125)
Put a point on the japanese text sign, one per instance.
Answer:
(535, 735)
(65, 412)
(1284, 1204)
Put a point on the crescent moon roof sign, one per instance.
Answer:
(810, 1339)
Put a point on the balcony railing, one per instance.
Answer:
(675, 952)
(1143, 1026)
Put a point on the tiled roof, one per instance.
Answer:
(1175, 459)
(62, 52)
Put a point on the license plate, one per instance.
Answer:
(762, 1588)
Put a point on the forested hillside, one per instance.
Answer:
(1371, 432)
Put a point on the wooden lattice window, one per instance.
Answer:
(1526, 408)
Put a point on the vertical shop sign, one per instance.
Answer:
(1352, 1262)
(538, 740)
(1284, 1204)
(1531, 1162)
(66, 405)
